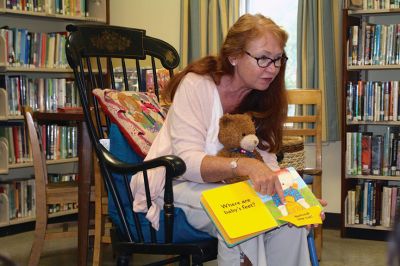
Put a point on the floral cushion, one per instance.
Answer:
(138, 115)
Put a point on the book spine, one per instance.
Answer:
(377, 148)
(366, 153)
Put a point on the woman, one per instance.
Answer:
(247, 76)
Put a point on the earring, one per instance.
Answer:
(233, 63)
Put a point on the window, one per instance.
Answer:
(284, 13)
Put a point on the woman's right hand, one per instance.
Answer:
(265, 181)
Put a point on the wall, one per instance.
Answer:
(161, 19)
(331, 179)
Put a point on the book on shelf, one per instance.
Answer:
(371, 4)
(61, 177)
(34, 49)
(240, 213)
(373, 44)
(77, 8)
(373, 101)
(369, 154)
(373, 203)
(377, 152)
(18, 145)
(59, 142)
(366, 153)
(21, 198)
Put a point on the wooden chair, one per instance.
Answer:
(102, 223)
(311, 126)
(47, 193)
(93, 52)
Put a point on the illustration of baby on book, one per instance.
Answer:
(293, 198)
(299, 200)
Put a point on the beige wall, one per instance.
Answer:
(160, 18)
(331, 153)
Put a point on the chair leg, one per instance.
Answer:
(185, 261)
(98, 217)
(318, 241)
(38, 241)
(316, 188)
(97, 249)
(123, 260)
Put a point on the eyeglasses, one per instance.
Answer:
(265, 61)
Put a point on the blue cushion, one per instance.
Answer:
(183, 231)
(308, 179)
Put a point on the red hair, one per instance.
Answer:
(268, 107)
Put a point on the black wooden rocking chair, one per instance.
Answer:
(94, 52)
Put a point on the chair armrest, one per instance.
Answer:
(174, 165)
(310, 171)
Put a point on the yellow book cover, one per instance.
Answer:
(240, 213)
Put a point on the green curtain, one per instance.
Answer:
(319, 57)
(204, 25)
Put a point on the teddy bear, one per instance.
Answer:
(294, 200)
(237, 134)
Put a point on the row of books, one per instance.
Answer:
(373, 203)
(146, 83)
(372, 101)
(65, 7)
(16, 140)
(59, 177)
(34, 49)
(20, 198)
(58, 142)
(373, 44)
(41, 94)
(368, 154)
(59, 207)
(373, 4)
(54, 178)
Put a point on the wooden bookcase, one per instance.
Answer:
(364, 110)
(31, 20)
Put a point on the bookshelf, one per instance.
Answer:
(34, 72)
(370, 118)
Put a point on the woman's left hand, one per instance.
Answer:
(324, 203)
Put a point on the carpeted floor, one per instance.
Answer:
(336, 251)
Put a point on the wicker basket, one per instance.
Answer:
(293, 152)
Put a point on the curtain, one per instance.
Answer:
(204, 25)
(319, 58)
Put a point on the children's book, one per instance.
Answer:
(240, 213)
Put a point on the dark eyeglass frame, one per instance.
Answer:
(283, 59)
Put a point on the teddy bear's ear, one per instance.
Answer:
(224, 120)
(251, 115)
(248, 114)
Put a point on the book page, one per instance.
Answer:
(301, 207)
(237, 212)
